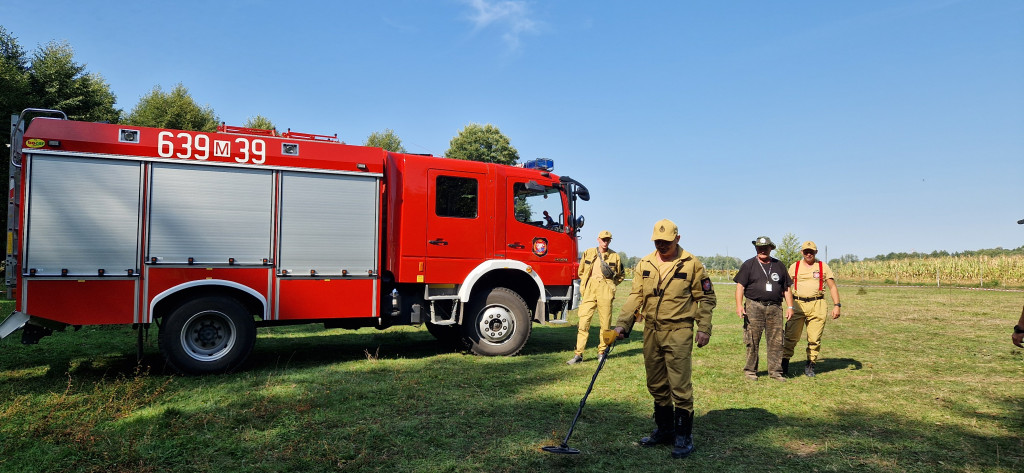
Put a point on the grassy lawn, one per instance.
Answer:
(915, 379)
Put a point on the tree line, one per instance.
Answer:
(787, 251)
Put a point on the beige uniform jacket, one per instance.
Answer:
(590, 259)
(805, 284)
(685, 297)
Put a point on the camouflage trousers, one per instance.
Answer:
(769, 320)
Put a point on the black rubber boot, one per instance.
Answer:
(683, 446)
(665, 431)
(785, 367)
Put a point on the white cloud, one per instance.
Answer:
(510, 15)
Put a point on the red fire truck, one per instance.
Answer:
(211, 235)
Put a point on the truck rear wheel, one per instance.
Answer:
(497, 323)
(211, 334)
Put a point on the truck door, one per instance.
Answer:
(458, 227)
(535, 232)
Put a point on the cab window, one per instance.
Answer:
(538, 206)
(456, 197)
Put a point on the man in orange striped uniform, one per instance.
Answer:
(809, 279)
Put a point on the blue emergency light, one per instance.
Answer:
(543, 164)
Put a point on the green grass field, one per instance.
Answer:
(915, 379)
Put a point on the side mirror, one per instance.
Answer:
(580, 221)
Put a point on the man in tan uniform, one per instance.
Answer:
(809, 279)
(671, 292)
(599, 272)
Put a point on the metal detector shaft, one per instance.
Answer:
(583, 401)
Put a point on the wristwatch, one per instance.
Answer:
(838, 304)
(1017, 329)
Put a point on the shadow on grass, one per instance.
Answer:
(826, 365)
(99, 351)
(444, 413)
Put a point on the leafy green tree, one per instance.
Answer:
(847, 258)
(56, 81)
(386, 139)
(788, 250)
(482, 143)
(259, 122)
(50, 79)
(175, 110)
(14, 96)
(721, 262)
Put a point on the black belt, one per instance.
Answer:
(768, 302)
(809, 299)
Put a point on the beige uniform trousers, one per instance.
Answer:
(598, 295)
(667, 360)
(809, 315)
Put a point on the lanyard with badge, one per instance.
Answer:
(767, 280)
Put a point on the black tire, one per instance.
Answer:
(497, 323)
(212, 334)
(449, 335)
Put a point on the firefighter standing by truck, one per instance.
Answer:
(671, 292)
(600, 271)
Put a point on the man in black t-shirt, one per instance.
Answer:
(766, 284)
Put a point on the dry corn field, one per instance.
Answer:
(987, 271)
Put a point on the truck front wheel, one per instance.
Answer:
(497, 323)
(211, 334)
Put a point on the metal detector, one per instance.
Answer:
(564, 448)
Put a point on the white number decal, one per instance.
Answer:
(245, 150)
(198, 147)
(259, 148)
(204, 147)
(161, 142)
(187, 145)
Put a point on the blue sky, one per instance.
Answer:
(868, 127)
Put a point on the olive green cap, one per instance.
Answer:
(763, 241)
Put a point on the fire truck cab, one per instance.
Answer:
(211, 235)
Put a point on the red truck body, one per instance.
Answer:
(211, 235)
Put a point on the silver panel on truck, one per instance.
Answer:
(328, 224)
(83, 216)
(210, 214)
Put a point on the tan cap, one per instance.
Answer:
(809, 245)
(665, 230)
(604, 234)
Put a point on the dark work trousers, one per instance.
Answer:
(769, 320)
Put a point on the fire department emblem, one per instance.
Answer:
(817, 275)
(540, 246)
(705, 285)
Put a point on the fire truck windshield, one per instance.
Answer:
(539, 205)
